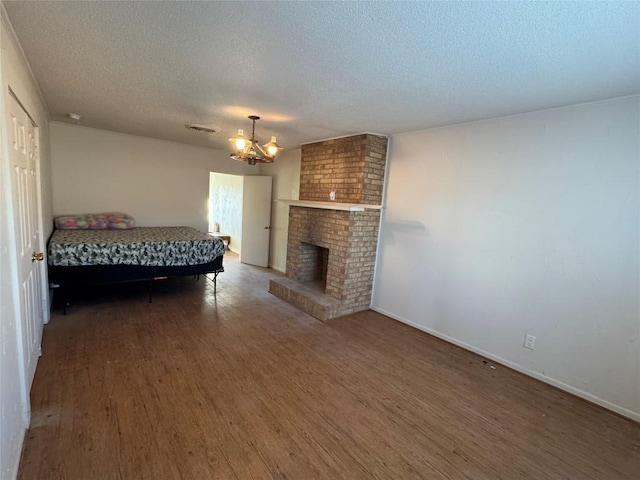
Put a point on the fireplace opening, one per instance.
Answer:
(312, 267)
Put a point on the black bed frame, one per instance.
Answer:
(64, 277)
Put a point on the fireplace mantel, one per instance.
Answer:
(349, 207)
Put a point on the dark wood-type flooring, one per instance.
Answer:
(241, 385)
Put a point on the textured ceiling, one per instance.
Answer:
(314, 70)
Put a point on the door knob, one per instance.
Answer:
(37, 257)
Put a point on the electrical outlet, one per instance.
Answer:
(530, 342)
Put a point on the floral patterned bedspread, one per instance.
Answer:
(146, 246)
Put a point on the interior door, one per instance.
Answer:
(23, 157)
(256, 221)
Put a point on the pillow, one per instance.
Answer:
(95, 221)
(121, 223)
(71, 222)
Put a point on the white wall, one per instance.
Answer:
(226, 197)
(523, 225)
(158, 182)
(14, 407)
(285, 171)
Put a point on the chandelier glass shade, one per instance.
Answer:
(248, 150)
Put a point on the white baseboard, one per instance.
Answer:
(531, 373)
(277, 269)
(13, 473)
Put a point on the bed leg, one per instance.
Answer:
(215, 282)
(64, 300)
(150, 290)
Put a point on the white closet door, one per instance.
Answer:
(23, 158)
(256, 221)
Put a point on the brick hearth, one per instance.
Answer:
(329, 286)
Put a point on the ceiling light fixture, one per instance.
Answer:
(248, 150)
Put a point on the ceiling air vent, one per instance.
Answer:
(200, 128)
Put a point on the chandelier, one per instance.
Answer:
(248, 150)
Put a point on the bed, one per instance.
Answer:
(81, 257)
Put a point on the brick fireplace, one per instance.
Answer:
(331, 246)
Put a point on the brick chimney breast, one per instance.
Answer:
(352, 167)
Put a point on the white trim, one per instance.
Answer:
(16, 461)
(42, 241)
(514, 366)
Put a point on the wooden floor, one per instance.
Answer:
(241, 385)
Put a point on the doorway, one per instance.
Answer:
(240, 209)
